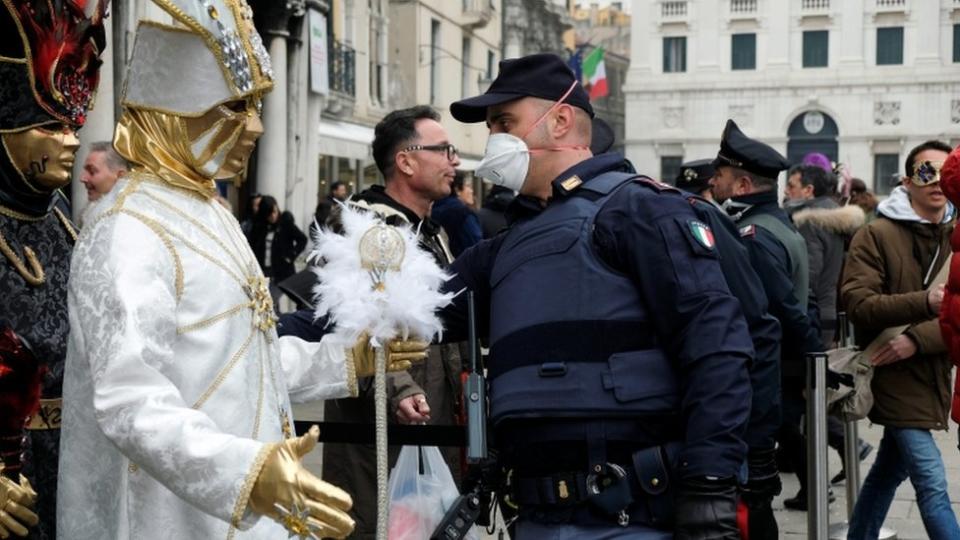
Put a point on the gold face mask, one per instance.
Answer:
(190, 152)
(224, 138)
(43, 155)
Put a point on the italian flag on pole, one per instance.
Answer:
(595, 71)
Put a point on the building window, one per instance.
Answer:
(890, 46)
(885, 172)
(816, 46)
(465, 70)
(674, 54)
(743, 51)
(956, 43)
(491, 64)
(670, 168)
(434, 60)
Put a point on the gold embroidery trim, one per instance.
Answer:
(244, 499)
(222, 375)
(260, 393)
(200, 226)
(351, 369)
(34, 275)
(11, 213)
(164, 237)
(66, 224)
(214, 319)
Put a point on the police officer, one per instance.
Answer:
(763, 479)
(619, 391)
(695, 176)
(745, 184)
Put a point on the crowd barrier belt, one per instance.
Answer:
(398, 435)
(49, 416)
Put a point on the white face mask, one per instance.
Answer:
(506, 161)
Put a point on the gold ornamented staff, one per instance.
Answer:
(381, 250)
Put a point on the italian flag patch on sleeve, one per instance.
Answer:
(702, 233)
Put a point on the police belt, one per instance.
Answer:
(647, 501)
(48, 416)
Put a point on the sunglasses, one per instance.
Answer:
(927, 173)
(449, 149)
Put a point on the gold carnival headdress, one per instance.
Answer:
(180, 121)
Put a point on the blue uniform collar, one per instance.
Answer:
(586, 170)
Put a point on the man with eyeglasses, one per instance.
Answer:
(891, 279)
(418, 162)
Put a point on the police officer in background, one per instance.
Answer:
(745, 184)
(695, 177)
(619, 391)
(763, 478)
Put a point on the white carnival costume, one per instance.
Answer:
(177, 389)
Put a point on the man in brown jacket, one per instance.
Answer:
(890, 266)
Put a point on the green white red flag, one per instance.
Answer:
(595, 73)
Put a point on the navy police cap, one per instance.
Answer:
(694, 176)
(544, 76)
(738, 150)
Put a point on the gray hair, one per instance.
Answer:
(115, 161)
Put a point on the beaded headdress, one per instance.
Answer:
(49, 61)
(213, 55)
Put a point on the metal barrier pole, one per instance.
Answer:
(851, 454)
(818, 517)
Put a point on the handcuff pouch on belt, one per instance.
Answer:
(635, 493)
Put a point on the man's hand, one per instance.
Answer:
(413, 409)
(935, 297)
(897, 349)
(288, 493)
(16, 500)
(401, 354)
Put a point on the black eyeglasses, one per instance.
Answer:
(449, 149)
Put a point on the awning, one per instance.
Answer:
(344, 139)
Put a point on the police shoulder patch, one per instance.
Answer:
(701, 233)
(748, 231)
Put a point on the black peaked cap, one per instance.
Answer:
(694, 176)
(738, 150)
(544, 76)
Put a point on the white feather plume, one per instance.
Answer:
(407, 306)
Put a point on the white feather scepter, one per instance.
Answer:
(375, 278)
(407, 303)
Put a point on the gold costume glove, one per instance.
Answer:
(288, 493)
(15, 503)
(401, 354)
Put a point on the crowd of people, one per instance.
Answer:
(647, 341)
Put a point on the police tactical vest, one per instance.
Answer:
(548, 280)
(796, 248)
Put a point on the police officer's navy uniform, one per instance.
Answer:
(779, 254)
(763, 479)
(613, 340)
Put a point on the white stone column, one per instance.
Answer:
(706, 38)
(926, 29)
(778, 37)
(851, 34)
(98, 127)
(272, 154)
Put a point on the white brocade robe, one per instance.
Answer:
(173, 383)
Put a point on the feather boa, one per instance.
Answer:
(406, 306)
